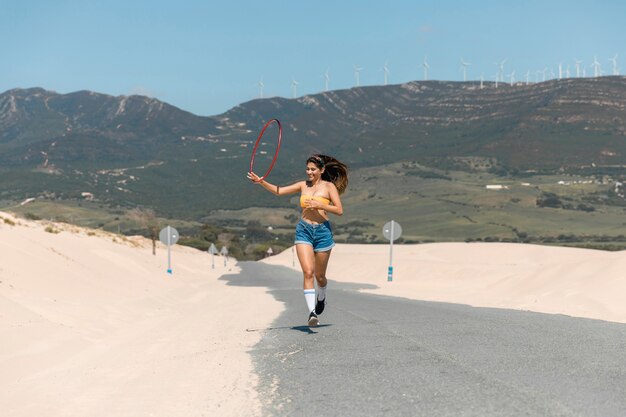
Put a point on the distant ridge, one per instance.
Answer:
(137, 150)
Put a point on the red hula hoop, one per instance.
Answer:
(258, 141)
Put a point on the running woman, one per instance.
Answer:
(327, 178)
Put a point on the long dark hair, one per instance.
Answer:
(334, 170)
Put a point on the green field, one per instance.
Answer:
(462, 207)
(431, 205)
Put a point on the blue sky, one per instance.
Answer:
(208, 56)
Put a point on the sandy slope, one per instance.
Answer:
(576, 282)
(92, 325)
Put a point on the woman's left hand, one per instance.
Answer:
(313, 204)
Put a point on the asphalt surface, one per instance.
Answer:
(387, 356)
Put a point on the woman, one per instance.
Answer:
(327, 178)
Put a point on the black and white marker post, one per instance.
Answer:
(168, 236)
(212, 251)
(391, 231)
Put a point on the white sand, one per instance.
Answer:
(92, 325)
(570, 281)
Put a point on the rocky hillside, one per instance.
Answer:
(138, 150)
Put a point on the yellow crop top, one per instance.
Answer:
(303, 199)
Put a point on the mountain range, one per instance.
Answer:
(138, 151)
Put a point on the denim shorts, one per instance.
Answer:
(320, 236)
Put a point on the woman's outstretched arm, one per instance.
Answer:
(275, 189)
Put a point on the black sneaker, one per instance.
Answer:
(319, 306)
(313, 320)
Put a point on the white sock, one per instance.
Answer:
(321, 293)
(309, 296)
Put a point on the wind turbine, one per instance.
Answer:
(596, 67)
(560, 70)
(426, 67)
(545, 70)
(386, 71)
(294, 86)
(567, 73)
(326, 80)
(578, 67)
(512, 77)
(357, 71)
(527, 77)
(482, 78)
(501, 66)
(497, 64)
(464, 66)
(614, 61)
(261, 85)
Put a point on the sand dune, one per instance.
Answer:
(92, 325)
(570, 281)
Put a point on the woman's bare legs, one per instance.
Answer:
(321, 263)
(313, 266)
(306, 256)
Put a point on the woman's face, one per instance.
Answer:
(312, 171)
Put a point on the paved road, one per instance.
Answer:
(386, 356)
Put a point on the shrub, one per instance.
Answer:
(549, 200)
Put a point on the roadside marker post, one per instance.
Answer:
(168, 236)
(224, 253)
(212, 250)
(391, 231)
